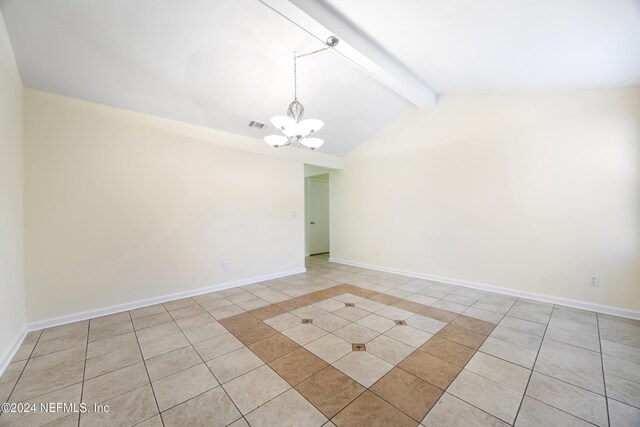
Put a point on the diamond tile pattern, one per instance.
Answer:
(330, 390)
(338, 345)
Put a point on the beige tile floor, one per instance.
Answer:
(340, 346)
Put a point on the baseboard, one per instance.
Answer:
(605, 309)
(7, 356)
(76, 317)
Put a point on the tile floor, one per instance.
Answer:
(340, 346)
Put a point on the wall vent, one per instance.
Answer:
(254, 124)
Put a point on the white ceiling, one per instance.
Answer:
(215, 63)
(478, 45)
(222, 63)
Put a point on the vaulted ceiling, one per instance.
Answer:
(224, 63)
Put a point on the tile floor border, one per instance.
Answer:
(350, 289)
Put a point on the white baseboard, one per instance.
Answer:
(606, 309)
(8, 354)
(76, 317)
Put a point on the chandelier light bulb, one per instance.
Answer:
(276, 140)
(295, 131)
(311, 125)
(312, 143)
(282, 122)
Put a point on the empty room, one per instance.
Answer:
(320, 213)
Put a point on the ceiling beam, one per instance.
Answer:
(317, 19)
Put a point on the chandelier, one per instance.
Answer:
(293, 127)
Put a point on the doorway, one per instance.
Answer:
(317, 208)
(318, 215)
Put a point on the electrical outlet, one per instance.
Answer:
(593, 280)
(378, 252)
(225, 265)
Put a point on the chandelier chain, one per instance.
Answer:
(295, 67)
(311, 53)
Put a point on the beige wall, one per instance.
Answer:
(12, 303)
(531, 192)
(121, 206)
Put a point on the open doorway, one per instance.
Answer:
(317, 181)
